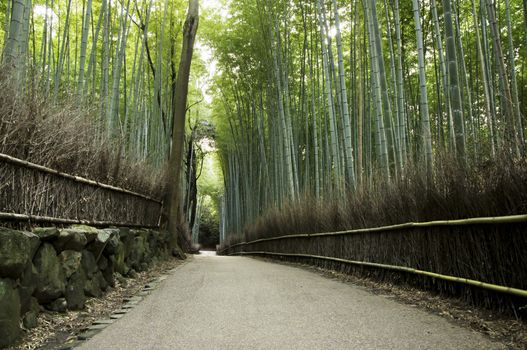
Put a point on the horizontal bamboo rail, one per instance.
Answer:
(52, 220)
(23, 163)
(484, 285)
(410, 225)
(510, 219)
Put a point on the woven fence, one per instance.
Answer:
(35, 194)
(482, 259)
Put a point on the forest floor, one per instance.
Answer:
(54, 329)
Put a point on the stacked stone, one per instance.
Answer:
(57, 269)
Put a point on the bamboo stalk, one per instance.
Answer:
(48, 219)
(484, 285)
(29, 165)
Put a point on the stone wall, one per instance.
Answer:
(58, 269)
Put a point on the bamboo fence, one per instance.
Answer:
(487, 251)
(33, 193)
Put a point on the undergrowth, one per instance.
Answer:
(68, 136)
(489, 189)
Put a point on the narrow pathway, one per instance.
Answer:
(215, 302)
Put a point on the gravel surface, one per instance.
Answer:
(217, 302)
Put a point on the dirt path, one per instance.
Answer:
(217, 302)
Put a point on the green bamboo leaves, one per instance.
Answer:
(319, 98)
(347, 98)
(100, 53)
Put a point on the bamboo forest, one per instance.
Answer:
(380, 139)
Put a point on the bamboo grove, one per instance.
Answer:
(325, 98)
(114, 66)
(117, 57)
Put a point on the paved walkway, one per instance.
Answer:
(215, 302)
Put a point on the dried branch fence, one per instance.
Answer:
(474, 257)
(36, 194)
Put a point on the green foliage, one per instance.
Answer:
(143, 116)
(209, 226)
(271, 72)
(280, 126)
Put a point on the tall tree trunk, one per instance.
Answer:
(105, 76)
(514, 83)
(348, 148)
(525, 22)
(8, 21)
(92, 62)
(444, 78)
(423, 100)
(488, 76)
(84, 43)
(464, 77)
(488, 107)
(12, 45)
(396, 125)
(114, 120)
(62, 53)
(401, 114)
(329, 95)
(511, 137)
(24, 40)
(381, 133)
(455, 92)
(171, 218)
(383, 89)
